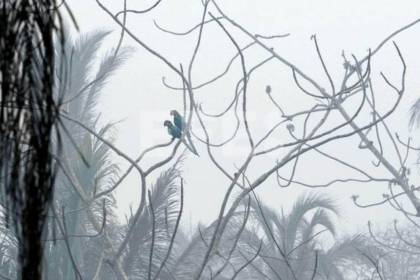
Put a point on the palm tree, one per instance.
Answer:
(86, 169)
(28, 120)
(85, 160)
(297, 243)
(259, 243)
(156, 226)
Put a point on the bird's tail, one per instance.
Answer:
(192, 145)
(189, 143)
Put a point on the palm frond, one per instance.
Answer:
(303, 205)
(79, 92)
(109, 64)
(165, 201)
(8, 249)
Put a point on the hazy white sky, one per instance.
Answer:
(137, 97)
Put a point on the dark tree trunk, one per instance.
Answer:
(31, 250)
(28, 114)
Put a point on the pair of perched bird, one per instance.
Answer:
(178, 129)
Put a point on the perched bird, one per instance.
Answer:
(178, 120)
(182, 126)
(172, 130)
(175, 132)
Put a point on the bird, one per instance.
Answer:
(172, 129)
(178, 120)
(175, 132)
(182, 126)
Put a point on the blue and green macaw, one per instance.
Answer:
(178, 128)
(178, 120)
(182, 126)
(172, 130)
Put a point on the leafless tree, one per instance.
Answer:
(308, 129)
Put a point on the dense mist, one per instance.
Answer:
(209, 140)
